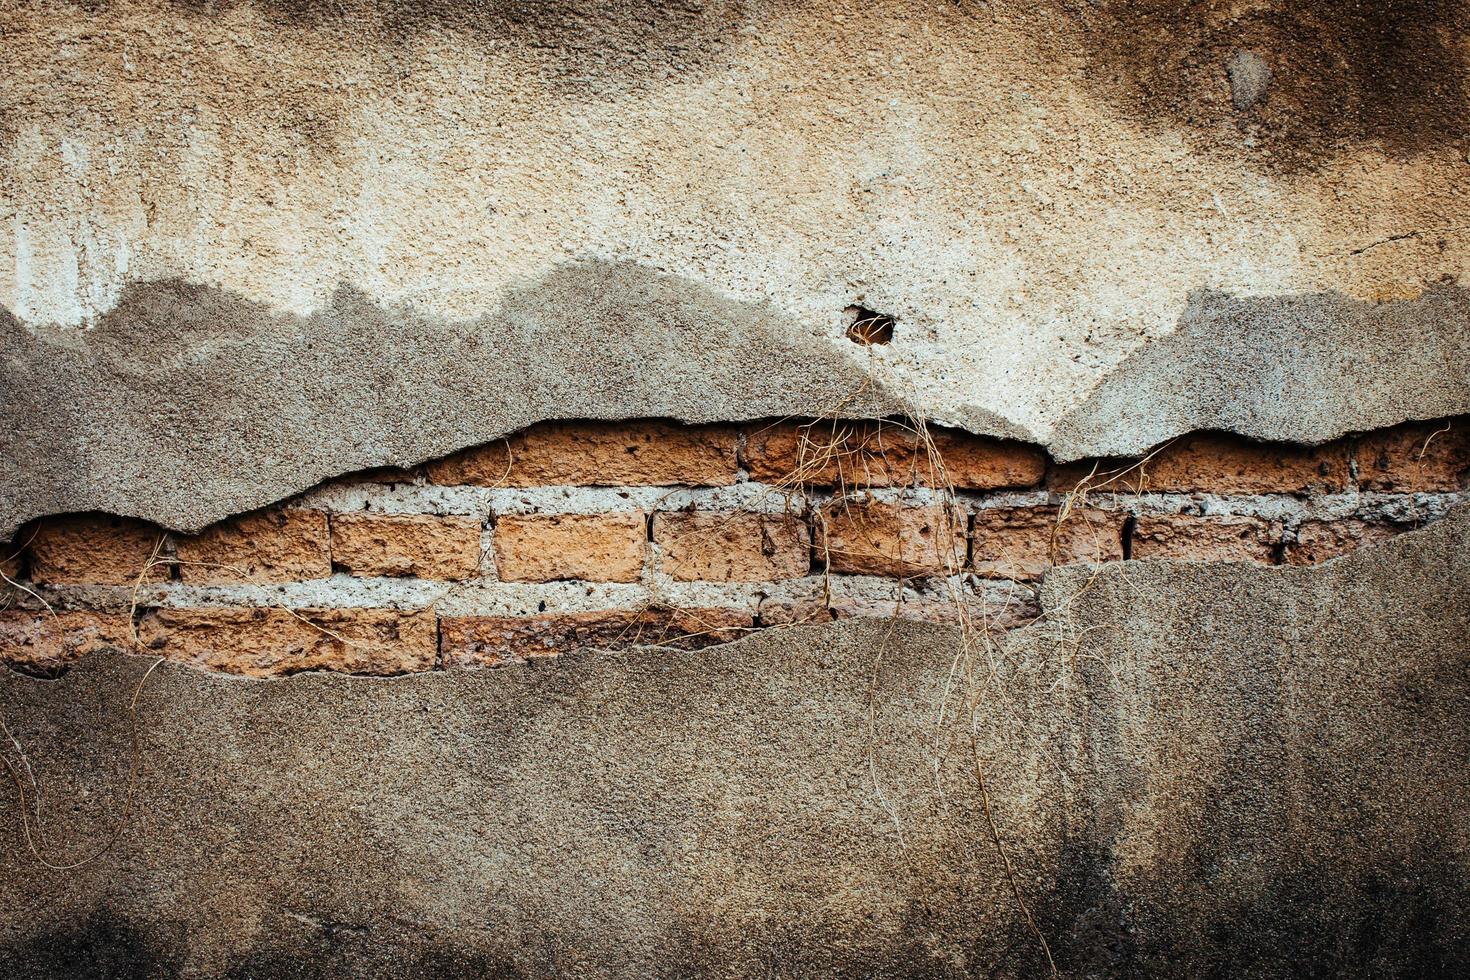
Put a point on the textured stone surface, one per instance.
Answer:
(277, 642)
(270, 546)
(1023, 543)
(640, 453)
(1194, 770)
(94, 549)
(548, 547)
(722, 546)
(875, 538)
(406, 544)
(1185, 537)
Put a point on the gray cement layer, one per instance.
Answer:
(1191, 770)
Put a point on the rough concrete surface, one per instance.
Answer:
(1037, 191)
(1210, 770)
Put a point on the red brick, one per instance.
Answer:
(94, 549)
(1425, 457)
(493, 641)
(644, 453)
(47, 641)
(1185, 537)
(1317, 541)
(275, 642)
(865, 454)
(872, 538)
(266, 546)
(729, 546)
(1213, 463)
(1021, 543)
(550, 547)
(419, 545)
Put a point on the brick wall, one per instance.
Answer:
(598, 534)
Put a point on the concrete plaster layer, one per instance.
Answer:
(1221, 770)
(185, 405)
(1038, 191)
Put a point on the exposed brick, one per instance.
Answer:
(872, 454)
(12, 555)
(644, 453)
(1317, 541)
(1185, 537)
(40, 640)
(871, 538)
(1212, 463)
(1424, 457)
(548, 547)
(266, 546)
(1021, 543)
(420, 545)
(93, 549)
(492, 641)
(787, 610)
(274, 642)
(729, 546)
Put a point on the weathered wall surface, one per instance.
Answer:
(1195, 770)
(287, 220)
(249, 246)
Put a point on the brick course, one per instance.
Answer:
(419, 545)
(730, 546)
(871, 538)
(549, 547)
(1415, 458)
(270, 642)
(1319, 541)
(1184, 537)
(1021, 543)
(494, 641)
(651, 453)
(47, 641)
(870, 454)
(267, 546)
(1265, 504)
(93, 549)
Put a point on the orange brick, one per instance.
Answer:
(1021, 543)
(549, 547)
(419, 545)
(1433, 456)
(495, 641)
(733, 547)
(275, 642)
(1185, 537)
(872, 454)
(1213, 463)
(1317, 541)
(45, 641)
(645, 453)
(93, 549)
(266, 546)
(872, 538)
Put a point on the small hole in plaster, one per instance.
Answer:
(867, 327)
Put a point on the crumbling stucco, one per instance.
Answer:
(1196, 770)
